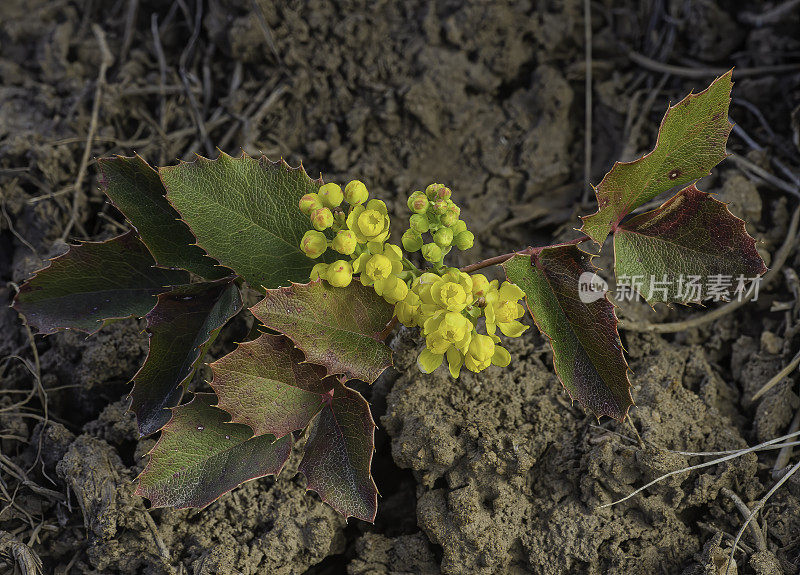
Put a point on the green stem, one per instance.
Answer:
(414, 269)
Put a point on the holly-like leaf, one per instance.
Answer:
(266, 385)
(136, 191)
(582, 328)
(201, 456)
(335, 327)
(181, 325)
(338, 455)
(244, 212)
(691, 141)
(688, 243)
(94, 282)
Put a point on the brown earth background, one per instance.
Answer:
(491, 474)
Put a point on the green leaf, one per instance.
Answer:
(587, 353)
(201, 456)
(136, 191)
(94, 282)
(244, 212)
(338, 455)
(335, 327)
(691, 141)
(265, 384)
(693, 237)
(181, 325)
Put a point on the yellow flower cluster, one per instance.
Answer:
(359, 234)
(447, 308)
(445, 303)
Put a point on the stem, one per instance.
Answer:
(410, 265)
(497, 260)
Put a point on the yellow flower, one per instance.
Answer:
(503, 310)
(481, 285)
(392, 289)
(339, 274)
(480, 353)
(446, 329)
(319, 271)
(378, 264)
(407, 310)
(449, 295)
(370, 222)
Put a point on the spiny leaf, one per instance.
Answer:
(201, 456)
(338, 455)
(136, 190)
(94, 282)
(181, 325)
(265, 384)
(690, 237)
(337, 328)
(587, 353)
(691, 141)
(244, 212)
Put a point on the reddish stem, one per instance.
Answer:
(497, 260)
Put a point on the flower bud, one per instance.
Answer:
(356, 193)
(314, 244)
(432, 253)
(444, 193)
(432, 190)
(458, 227)
(450, 215)
(443, 237)
(340, 273)
(419, 223)
(331, 195)
(309, 203)
(439, 207)
(412, 240)
(319, 271)
(464, 240)
(322, 219)
(418, 203)
(345, 242)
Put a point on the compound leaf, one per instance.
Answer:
(181, 325)
(94, 282)
(244, 212)
(689, 242)
(265, 384)
(587, 353)
(201, 456)
(338, 455)
(691, 141)
(335, 327)
(136, 191)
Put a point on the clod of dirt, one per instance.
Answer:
(379, 555)
(511, 478)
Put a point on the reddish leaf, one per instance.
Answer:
(337, 328)
(265, 384)
(201, 456)
(587, 353)
(691, 141)
(691, 236)
(94, 282)
(338, 455)
(183, 323)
